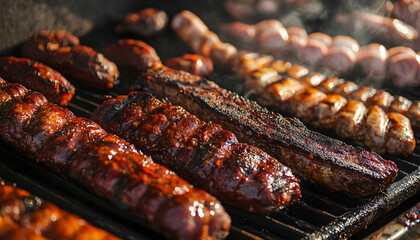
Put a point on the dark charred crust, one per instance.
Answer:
(285, 138)
(82, 151)
(201, 152)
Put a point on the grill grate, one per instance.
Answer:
(319, 214)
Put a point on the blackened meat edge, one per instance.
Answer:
(202, 153)
(310, 155)
(107, 165)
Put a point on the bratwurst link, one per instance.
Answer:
(107, 165)
(313, 156)
(61, 51)
(202, 153)
(38, 77)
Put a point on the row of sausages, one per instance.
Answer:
(340, 54)
(261, 71)
(107, 165)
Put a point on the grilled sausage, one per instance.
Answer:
(107, 165)
(132, 55)
(310, 155)
(342, 53)
(404, 67)
(372, 59)
(80, 62)
(144, 23)
(376, 26)
(272, 35)
(193, 63)
(202, 153)
(247, 67)
(38, 77)
(25, 216)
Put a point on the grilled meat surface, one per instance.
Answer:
(134, 56)
(38, 77)
(271, 80)
(61, 51)
(144, 23)
(192, 63)
(25, 216)
(202, 153)
(107, 165)
(313, 156)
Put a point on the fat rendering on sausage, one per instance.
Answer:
(203, 153)
(107, 165)
(37, 76)
(259, 72)
(61, 51)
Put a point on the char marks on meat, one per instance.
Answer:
(107, 165)
(322, 160)
(61, 51)
(38, 77)
(202, 153)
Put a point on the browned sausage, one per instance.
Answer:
(38, 77)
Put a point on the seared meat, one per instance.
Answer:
(202, 153)
(296, 99)
(144, 23)
(80, 62)
(132, 55)
(107, 165)
(25, 216)
(350, 119)
(340, 54)
(38, 77)
(193, 63)
(309, 154)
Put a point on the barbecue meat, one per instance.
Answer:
(107, 165)
(132, 55)
(38, 77)
(203, 153)
(80, 62)
(192, 63)
(322, 160)
(144, 23)
(25, 216)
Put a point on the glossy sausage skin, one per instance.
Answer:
(68, 57)
(25, 216)
(192, 63)
(107, 165)
(132, 55)
(38, 77)
(203, 153)
(309, 154)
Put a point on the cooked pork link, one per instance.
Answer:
(203, 153)
(322, 160)
(61, 51)
(339, 54)
(259, 71)
(399, 57)
(107, 165)
(38, 77)
(25, 216)
(350, 119)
